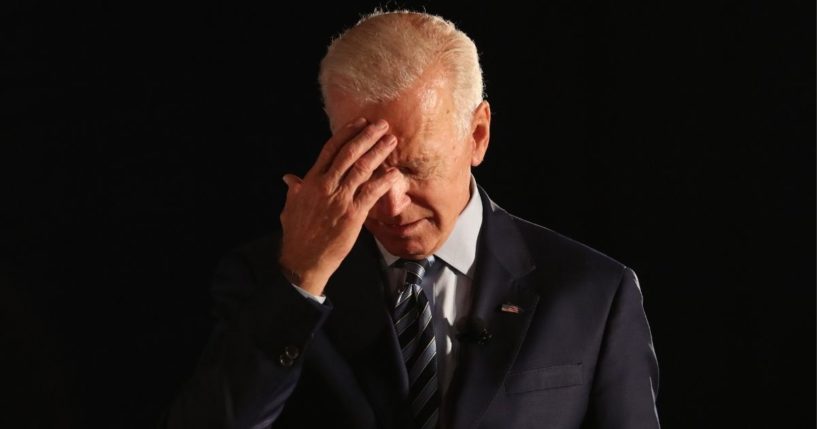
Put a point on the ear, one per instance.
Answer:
(480, 132)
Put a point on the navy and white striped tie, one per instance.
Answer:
(412, 319)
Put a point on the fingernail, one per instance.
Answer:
(389, 140)
(380, 124)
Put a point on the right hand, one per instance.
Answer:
(324, 212)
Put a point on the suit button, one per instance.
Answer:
(292, 352)
(285, 360)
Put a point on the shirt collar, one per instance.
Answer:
(460, 249)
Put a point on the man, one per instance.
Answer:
(444, 311)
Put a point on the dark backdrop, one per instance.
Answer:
(140, 142)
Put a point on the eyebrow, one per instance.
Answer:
(427, 164)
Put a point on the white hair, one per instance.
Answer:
(386, 52)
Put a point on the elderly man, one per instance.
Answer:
(445, 310)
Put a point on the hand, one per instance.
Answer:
(324, 211)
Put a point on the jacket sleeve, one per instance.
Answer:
(253, 360)
(626, 380)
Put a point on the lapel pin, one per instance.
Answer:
(510, 308)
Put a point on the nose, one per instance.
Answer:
(393, 202)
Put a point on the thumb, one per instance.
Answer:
(292, 181)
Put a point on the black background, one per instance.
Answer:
(142, 141)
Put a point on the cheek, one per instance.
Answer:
(424, 197)
(439, 202)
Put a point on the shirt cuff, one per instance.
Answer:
(316, 298)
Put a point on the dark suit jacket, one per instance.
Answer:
(578, 355)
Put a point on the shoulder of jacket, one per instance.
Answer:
(547, 244)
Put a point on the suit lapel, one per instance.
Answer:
(361, 329)
(356, 291)
(503, 262)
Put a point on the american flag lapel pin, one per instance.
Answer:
(510, 308)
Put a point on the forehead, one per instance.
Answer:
(422, 118)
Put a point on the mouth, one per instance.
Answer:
(400, 229)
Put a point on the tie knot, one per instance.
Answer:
(415, 269)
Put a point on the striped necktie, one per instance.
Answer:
(412, 319)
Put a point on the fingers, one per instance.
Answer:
(362, 169)
(293, 182)
(330, 149)
(354, 149)
(372, 190)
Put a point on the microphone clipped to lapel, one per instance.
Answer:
(474, 331)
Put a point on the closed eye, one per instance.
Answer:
(408, 171)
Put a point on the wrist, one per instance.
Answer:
(291, 275)
(304, 279)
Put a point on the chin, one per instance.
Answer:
(404, 247)
(413, 244)
(408, 248)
